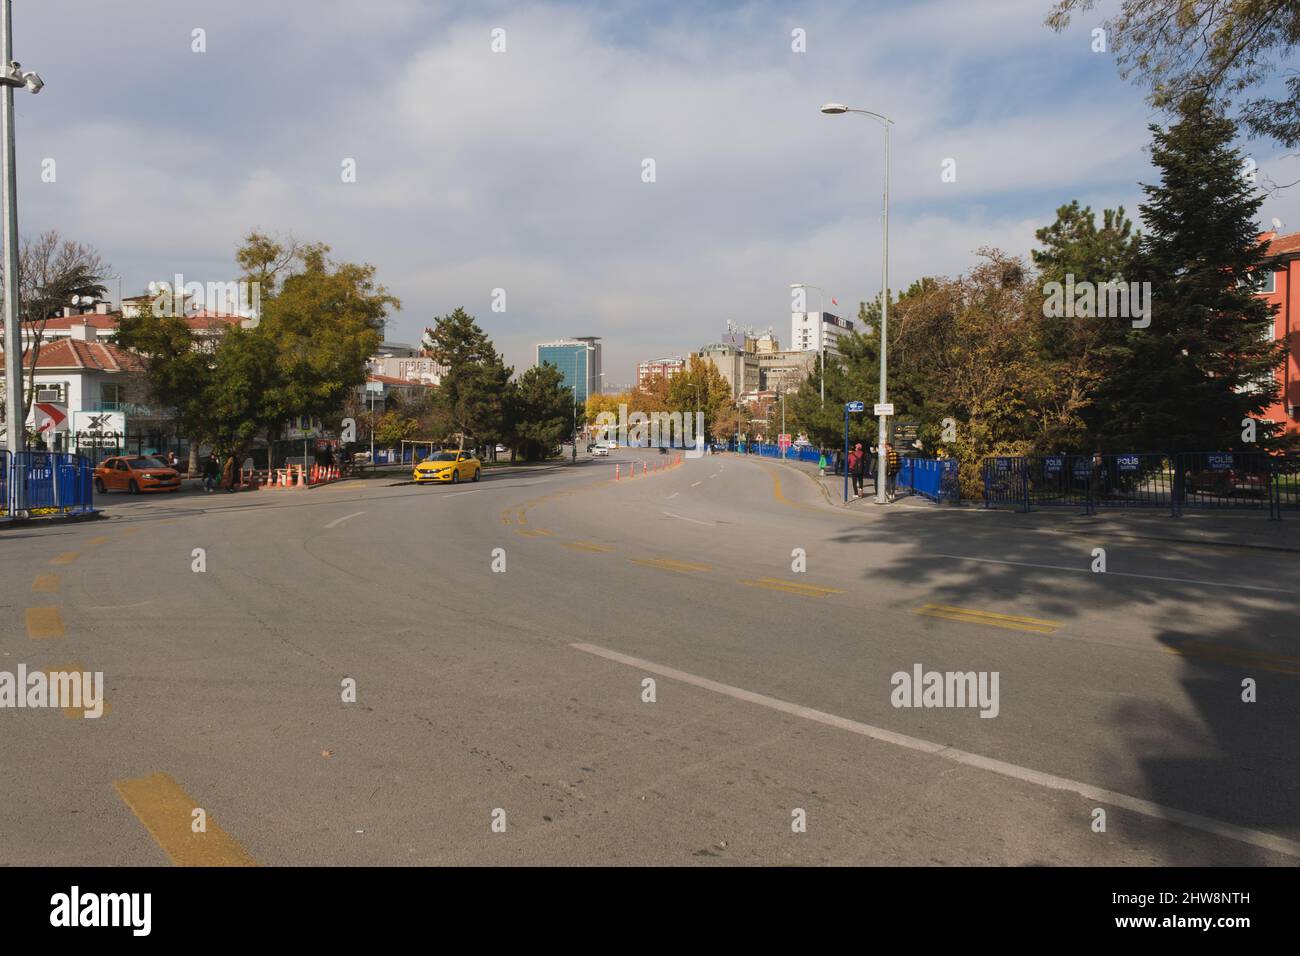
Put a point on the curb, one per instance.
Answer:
(51, 519)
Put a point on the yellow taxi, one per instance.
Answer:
(451, 466)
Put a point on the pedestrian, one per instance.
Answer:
(857, 468)
(211, 472)
(822, 463)
(228, 474)
(171, 459)
(891, 466)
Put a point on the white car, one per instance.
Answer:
(600, 450)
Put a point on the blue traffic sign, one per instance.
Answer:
(854, 406)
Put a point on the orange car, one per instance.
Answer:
(134, 474)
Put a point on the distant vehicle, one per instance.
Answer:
(1227, 483)
(135, 474)
(501, 449)
(447, 466)
(600, 450)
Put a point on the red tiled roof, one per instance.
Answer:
(93, 319)
(76, 354)
(204, 319)
(1287, 245)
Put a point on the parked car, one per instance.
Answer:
(1227, 483)
(447, 466)
(135, 474)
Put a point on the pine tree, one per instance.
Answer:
(1206, 362)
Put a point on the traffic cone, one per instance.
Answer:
(616, 468)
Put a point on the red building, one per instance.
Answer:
(1282, 287)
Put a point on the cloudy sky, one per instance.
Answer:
(522, 169)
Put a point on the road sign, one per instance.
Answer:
(885, 409)
(50, 418)
(854, 406)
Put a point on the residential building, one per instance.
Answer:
(79, 374)
(808, 330)
(658, 369)
(1281, 286)
(578, 360)
(738, 366)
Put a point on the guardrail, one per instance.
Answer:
(39, 483)
(1241, 481)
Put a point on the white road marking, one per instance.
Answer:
(692, 520)
(472, 491)
(1147, 808)
(714, 475)
(673, 495)
(1122, 574)
(339, 521)
(697, 483)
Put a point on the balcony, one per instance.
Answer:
(130, 409)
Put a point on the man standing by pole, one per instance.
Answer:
(11, 77)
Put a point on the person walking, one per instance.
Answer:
(857, 468)
(228, 474)
(211, 472)
(822, 463)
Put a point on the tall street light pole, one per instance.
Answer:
(821, 328)
(834, 109)
(11, 77)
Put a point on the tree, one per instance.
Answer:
(1208, 358)
(393, 427)
(51, 271)
(699, 387)
(1082, 351)
(1207, 50)
(540, 412)
(471, 393)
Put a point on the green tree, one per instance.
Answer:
(472, 391)
(1207, 360)
(1208, 49)
(540, 412)
(699, 387)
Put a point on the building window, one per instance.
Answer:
(1263, 282)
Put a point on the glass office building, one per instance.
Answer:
(578, 360)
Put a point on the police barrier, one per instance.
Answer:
(1186, 480)
(44, 483)
(933, 478)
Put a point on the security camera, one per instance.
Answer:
(33, 81)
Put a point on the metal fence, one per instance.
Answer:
(1242, 481)
(933, 478)
(44, 483)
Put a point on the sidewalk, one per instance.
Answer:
(1241, 529)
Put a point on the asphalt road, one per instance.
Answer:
(500, 715)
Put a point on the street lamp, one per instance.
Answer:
(11, 76)
(834, 109)
(821, 331)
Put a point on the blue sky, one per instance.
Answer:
(521, 170)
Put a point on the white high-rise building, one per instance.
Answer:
(807, 330)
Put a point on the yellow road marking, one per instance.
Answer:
(971, 616)
(67, 557)
(794, 587)
(167, 813)
(44, 622)
(99, 540)
(131, 530)
(585, 546)
(528, 532)
(667, 564)
(546, 531)
(1237, 657)
(78, 713)
(45, 584)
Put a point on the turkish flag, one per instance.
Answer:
(833, 302)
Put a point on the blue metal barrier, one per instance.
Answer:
(44, 483)
(6, 490)
(933, 478)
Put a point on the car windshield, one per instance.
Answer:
(146, 463)
(444, 456)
